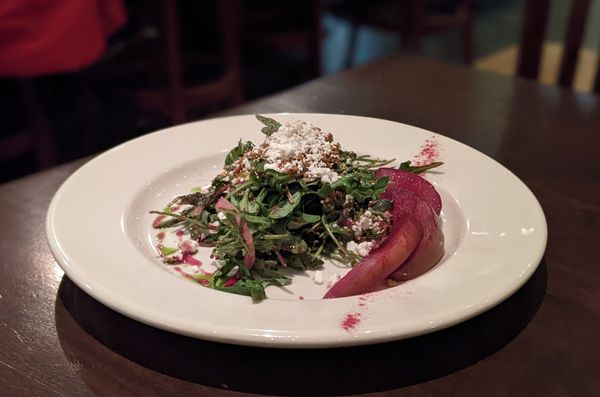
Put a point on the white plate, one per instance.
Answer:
(98, 230)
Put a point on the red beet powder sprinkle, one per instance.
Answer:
(428, 153)
(362, 301)
(351, 321)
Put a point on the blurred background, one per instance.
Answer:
(80, 76)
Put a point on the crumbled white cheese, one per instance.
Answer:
(300, 148)
(351, 246)
(233, 271)
(318, 277)
(361, 249)
(212, 227)
(221, 215)
(272, 167)
(205, 189)
(333, 279)
(188, 247)
(195, 269)
(246, 164)
(327, 175)
(364, 248)
(291, 138)
(365, 221)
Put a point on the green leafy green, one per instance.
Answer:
(271, 125)
(165, 251)
(238, 151)
(284, 208)
(291, 221)
(406, 166)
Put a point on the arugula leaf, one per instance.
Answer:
(293, 244)
(304, 261)
(238, 151)
(382, 206)
(304, 219)
(405, 166)
(283, 209)
(325, 190)
(253, 288)
(258, 220)
(271, 125)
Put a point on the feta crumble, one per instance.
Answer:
(363, 249)
(212, 226)
(318, 277)
(188, 247)
(351, 246)
(298, 148)
(333, 279)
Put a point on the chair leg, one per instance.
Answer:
(351, 45)
(177, 105)
(467, 33)
(44, 142)
(229, 20)
(314, 41)
(467, 43)
(357, 9)
(413, 13)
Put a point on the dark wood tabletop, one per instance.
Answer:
(544, 340)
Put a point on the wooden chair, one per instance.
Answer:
(535, 20)
(413, 22)
(172, 96)
(261, 20)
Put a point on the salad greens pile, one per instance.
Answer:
(272, 220)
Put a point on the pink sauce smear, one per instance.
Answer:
(189, 276)
(190, 260)
(158, 220)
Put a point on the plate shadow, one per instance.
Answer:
(301, 372)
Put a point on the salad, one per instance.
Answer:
(296, 200)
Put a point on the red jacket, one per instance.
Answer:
(39, 37)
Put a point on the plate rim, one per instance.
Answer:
(305, 341)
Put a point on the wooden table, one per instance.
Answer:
(544, 340)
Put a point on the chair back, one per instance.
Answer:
(535, 21)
